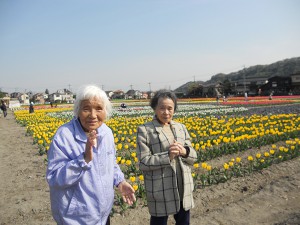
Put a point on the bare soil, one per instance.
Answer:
(268, 197)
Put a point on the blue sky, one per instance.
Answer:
(139, 44)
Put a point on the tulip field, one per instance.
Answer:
(232, 139)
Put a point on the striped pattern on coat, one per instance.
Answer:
(160, 177)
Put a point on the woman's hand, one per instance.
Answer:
(91, 141)
(176, 149)
(127, 192)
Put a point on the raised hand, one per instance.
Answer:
(91, 141)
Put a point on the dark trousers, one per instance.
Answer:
(181, 218)
(108, 221)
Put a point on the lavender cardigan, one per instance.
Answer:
(82, 193)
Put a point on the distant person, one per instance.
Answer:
(270, 96)
(31, 108)
(82, 169)
(51, 103)
(259, 91)
(123, 106)
(246, 96)
(4, 108)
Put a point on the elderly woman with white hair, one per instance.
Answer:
(82, 169)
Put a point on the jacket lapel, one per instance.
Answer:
(175, 128)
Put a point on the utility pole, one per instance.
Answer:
(149, 86)
(131, 87)
(244, 80)
(69, 87)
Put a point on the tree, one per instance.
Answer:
(47, 91)
(192, 89)
(2, 94)
(195, 90)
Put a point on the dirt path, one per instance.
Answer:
(23, 188)
(269, 197)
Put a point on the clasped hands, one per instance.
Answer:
(176, 149)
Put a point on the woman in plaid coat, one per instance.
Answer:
(165, 157)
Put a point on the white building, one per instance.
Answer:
(63, 95)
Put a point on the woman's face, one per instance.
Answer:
(91, 114)
(164, 110)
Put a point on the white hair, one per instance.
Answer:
(87, 92)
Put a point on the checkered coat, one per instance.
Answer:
(159, 176)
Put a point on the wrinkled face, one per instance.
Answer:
(164, 110)
(91, 114)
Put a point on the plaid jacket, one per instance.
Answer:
(159, 176)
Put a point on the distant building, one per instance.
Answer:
(118, 94)
(277, 86)
(295, 84)
(133, 94)
(40, 98)
(60, 96)
(15, 95)
(14, 103)
(24, 99)
(109, 94)
(150, 94)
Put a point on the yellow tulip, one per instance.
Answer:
(226, 166)
(119, 146)
(141, 177)
(132, 179)
(135, 187)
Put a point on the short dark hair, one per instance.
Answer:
(163, 93)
